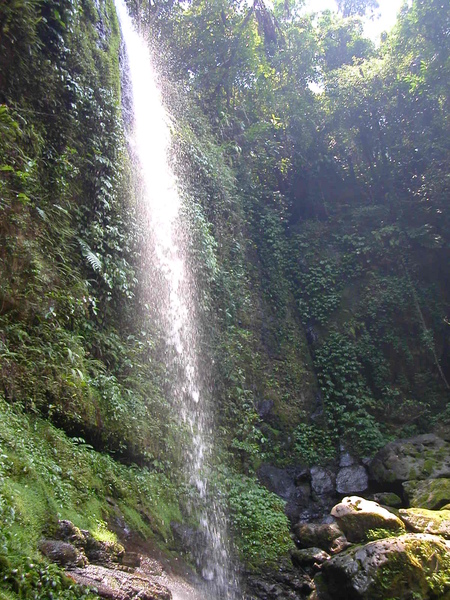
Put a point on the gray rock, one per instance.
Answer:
(323, 481)
(411, 565)
(318, 535)
(278, 481)
(352, 479)
(420, 457)
(292, 484)
(282, 482)
(421, 520)
(117, 585)
(309, 557)
(356, 516)
(62, 553)
(346, 460)
(286, 582)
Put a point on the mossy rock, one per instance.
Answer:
(404, 567)
(421, 520)
(430, 493)
(420, 457)
(356, 516)
(388, 499)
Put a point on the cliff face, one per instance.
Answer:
(323, 293)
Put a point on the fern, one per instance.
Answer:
(93, 259)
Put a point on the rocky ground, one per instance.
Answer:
(392, 540)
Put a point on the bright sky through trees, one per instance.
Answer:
(387, 12)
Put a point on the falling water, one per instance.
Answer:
(151, 141)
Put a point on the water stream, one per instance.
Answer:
(151, 142)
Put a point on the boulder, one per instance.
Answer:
(98, 552)
(62, 553)
(292, 484)
(404, 567)
(309, 557)
(323, 535)
(103, 553)
(323, 481)
(118, 585)
(279, 481)
(421, 457)
(388, 499)
(421, 520)
(355, 516)
(352, 479)
(68, 532)
(286, 582)
(430, 493)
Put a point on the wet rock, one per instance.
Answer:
(309, 557)
(278, 481)
(420, 457)
(62, 553)
(286, 583)
(421, 520)
(355, 516)
(68, 532)
(323, 481)
(411, 565)
(388, 499)
(117, 585)
(131, 559)
(340, 544)
(299, 502)
(319, 535)
(291, 484)
(103, 553)
(352, 479)
(430, 493)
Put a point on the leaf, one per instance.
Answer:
(93, 259)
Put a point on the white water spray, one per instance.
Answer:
(152, 140)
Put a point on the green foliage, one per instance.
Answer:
(319, 291)
(33, 580)
(262, 533)
(313, 445)
(44, 475)
(348, 400)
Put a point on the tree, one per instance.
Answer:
(352, 8)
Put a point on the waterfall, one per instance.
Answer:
(151, 143)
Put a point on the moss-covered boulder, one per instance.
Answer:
(421, 520)
(409, 566)
(421, 457)
(356, 516)
(388, 499)
(430, 493)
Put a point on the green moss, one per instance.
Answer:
(423, 569)
(46, 476)
(431, 493)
